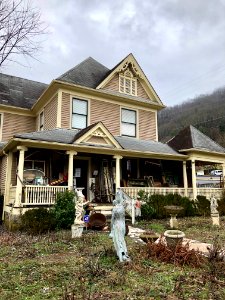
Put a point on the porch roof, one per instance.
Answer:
(69, 136)
(130, 143)
(190, 138)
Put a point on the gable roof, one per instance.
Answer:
(130, 60)
(192, 138)
(88, 73)
(19, 92)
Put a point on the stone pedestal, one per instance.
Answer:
(215, 219)
(77, 230)
(173, 221)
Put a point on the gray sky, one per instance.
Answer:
(180, 44)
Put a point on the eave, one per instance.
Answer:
(101, 94)
(13, 143)
(15, 110)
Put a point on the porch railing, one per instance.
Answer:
(41, 195)
(207, 192)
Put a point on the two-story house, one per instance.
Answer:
(96, 129)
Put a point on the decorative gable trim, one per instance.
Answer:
(98, 135)
(130, 63)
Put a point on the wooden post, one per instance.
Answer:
(71, 153)
(118, 158)
(20, 167)
(185, 179)
(194, 187)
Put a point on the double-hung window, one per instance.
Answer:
(128, 122)
(79, 114)
(41, 121)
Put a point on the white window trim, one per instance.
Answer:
(137, 122)
(132, 80)
(71, 108)
(41, 126)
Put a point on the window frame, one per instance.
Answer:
(33, 161)
(130, 123)
(41, 121)
(131, 80)
(79, 114)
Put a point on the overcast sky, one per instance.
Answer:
(180, 44)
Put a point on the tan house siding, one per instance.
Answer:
(107, 113)
(50, 113)
(113, 84)
(141, 93)
(147, 125)
(16, 124)
(65, 121)
(3, 174)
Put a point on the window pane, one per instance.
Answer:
(129, 116)
(79, 121)
(80, 107)
(128, 129)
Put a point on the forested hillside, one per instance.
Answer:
(206, 113)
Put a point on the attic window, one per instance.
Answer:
(127, 83)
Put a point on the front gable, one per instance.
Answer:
(128, 78)
(98, 135)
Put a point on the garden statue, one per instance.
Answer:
(213, 205)
(79, 207)
(214, 212)
(118, 228)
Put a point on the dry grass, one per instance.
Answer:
(53, 266)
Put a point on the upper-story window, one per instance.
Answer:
(128, 122)
(79, 113)
(128, 84)
(41, 121)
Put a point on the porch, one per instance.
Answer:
(36, 195)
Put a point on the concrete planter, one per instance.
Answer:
(173, 238)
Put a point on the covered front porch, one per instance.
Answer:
(99, 163)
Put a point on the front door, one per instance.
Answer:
(81, 175)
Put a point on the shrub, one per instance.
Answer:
(221, 205)
(202, 206)
(37, 220)
(64, 210)
(154, 205)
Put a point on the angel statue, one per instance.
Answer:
(80, 202)
(118, 228)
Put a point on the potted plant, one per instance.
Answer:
(173, 238)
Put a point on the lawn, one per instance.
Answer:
(53, 266)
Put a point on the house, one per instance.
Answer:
(96, 129)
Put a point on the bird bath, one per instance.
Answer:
(173, 210)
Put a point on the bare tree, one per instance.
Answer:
(20, 26)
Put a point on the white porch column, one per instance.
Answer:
(223, 176)
(194, 187)
(185, 179)
(117, 158)
(71, 153)
(20, 167)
